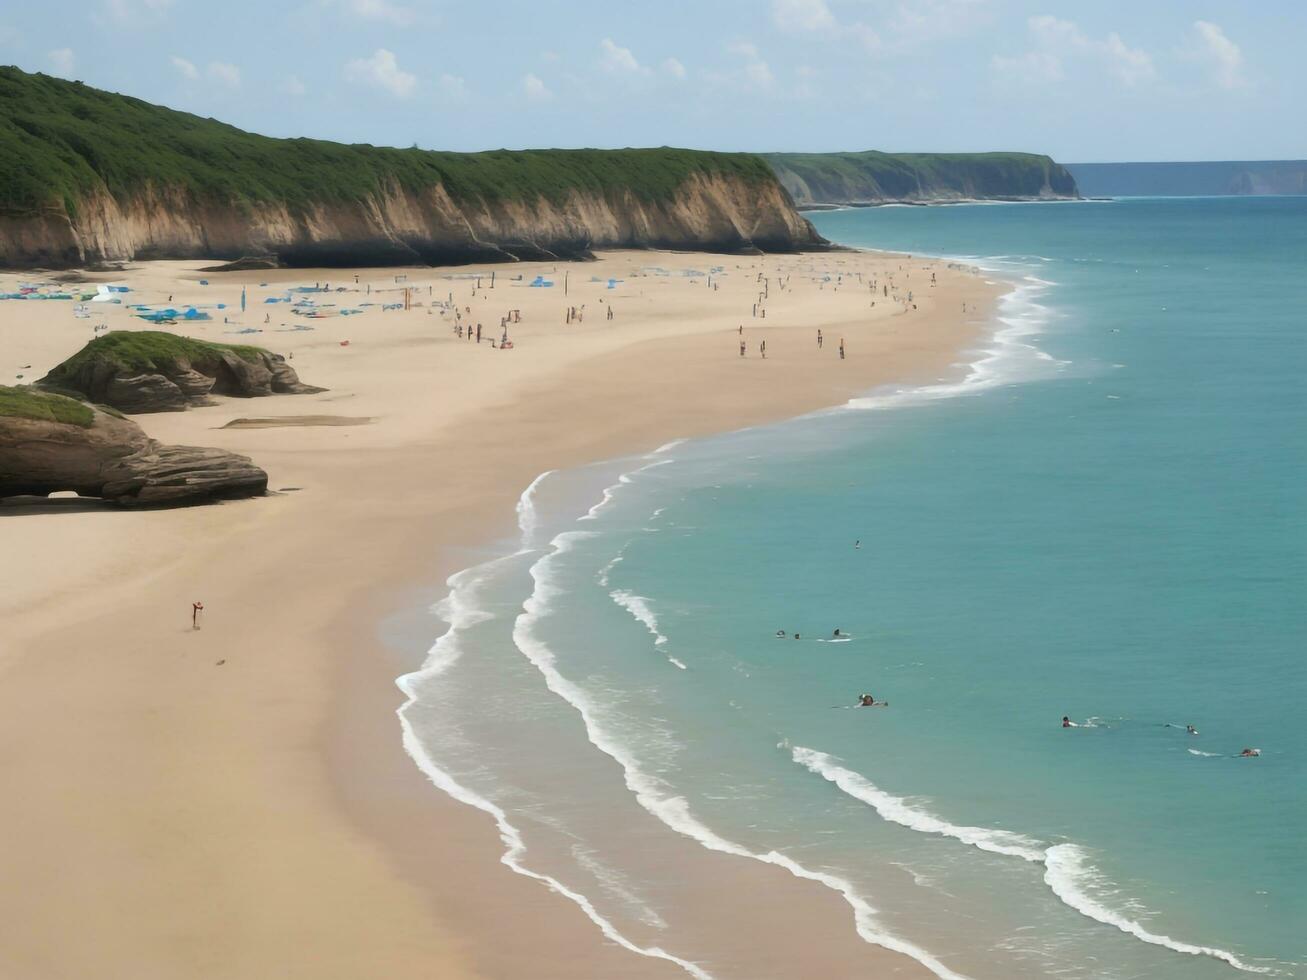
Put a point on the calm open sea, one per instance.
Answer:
(1107, 519)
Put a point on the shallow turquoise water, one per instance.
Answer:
(1107, 522)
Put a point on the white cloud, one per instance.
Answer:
(224, 74)
(756, 73)
(381, 10)
(453, 88)
(868, 37)
(814, 17)
(64, 61)
(534, 88)
(382, 71)
(292, 85)
(615, 58)
(1032, 67)
(803, 16)
(186, 68)
(674, 68)
(1058, 42)
(1222, 55)
(1130, 65)
(922, 21)
(129, 10)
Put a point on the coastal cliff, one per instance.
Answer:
(88, 176)
(872, 177)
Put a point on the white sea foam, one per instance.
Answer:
(1205, 755)
(653, 793)
(1067, 871)
(1010, 357)
(638, 606)
(900, 811)
(460, 609)
(616, 884)
(527, 518)
(623, 480)
(667, 447)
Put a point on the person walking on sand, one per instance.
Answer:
(196, 608)
(841, 348)
(741, 348)
(478, 333)
(819, 340)
(762, 349)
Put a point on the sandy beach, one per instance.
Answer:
(235, 801)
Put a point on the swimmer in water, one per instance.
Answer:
(796, 636)
(781, 634)
(1191, 730)
(866, 701)
(1067, 722)
(1250, 753)
(857, 544)
(837, 633)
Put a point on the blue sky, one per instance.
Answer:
(1108, 80)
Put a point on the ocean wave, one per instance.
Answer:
(461, 611)
(527, 518)
(638, 606)
(1010, 358)
(650, 791)
(623, 480)
(1067, 870)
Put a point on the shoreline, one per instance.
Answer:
(328, 742)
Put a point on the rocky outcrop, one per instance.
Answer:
(398, 226)
(114, 370)
(114, 459)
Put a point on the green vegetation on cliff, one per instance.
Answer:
(60, 141)
(145, 351)
(42, 406)
(870, 176)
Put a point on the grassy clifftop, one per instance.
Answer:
(43, 406)
(843, 178)
(145, 350)
(60, 141)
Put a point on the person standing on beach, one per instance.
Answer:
(762, 349)
(841, 348)
(196, 609)
(741, 348)
(478, 333)
(819, 339)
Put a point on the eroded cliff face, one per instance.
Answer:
(399, 226)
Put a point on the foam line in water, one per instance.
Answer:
(461, 611)
(900, 811)
(649, 790)
(1010, 358)
(624, 480)
(1066, 869)
(638, 606)
(527, 518)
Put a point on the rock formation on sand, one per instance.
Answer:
(50, 443)
(141, 371)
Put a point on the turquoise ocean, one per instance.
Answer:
(1104, 516)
